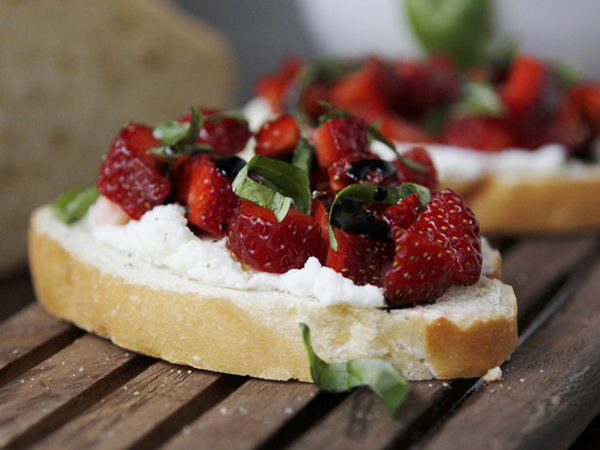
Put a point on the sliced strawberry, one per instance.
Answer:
(227, 136)
(341, 137)
(277, 138)
(448, 221)
(258, 240)
(358, 169)
(424, 85)
(524, 85)
(132, 177)
(273, 88)
(401, 130)
(586, 96)
(361, 258)
(479, 133)
(371, 86)
(312, 98)
(422, 270)
(401, 215)
(419, 155)
(207, 192)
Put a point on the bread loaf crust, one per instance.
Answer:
(219, 330)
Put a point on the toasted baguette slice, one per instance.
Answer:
(537, 204)
(153, 311)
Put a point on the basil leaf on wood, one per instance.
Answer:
(370, 193)
(245, 187)
(377, 374)
(73, 204)
(461, 29)
(173, 132)
(480, 99)
(303, 155)
(374, 133)
(286, 178)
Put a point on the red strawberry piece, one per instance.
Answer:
(402, 214)
(312, 98)
(202, 187)
(358, 169)
(371, 86)
(422, 270)
(419, 155)
(132, 177)
(448, 221)
(227, 136)
(273, 88)
(569, 127)
(424, 85)
(524, 85)
(258, 240)
(361, 258)
(341, 137)
(402, 130)
(586, 96)
(479, 133)
(277, 138)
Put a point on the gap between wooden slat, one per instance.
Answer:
(408, 427)
(59, 388)
(28, 338)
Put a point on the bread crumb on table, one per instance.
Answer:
(492, 375)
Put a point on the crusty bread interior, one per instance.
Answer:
(152, 311)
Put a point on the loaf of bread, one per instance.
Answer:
(151, 310)
(73, 72)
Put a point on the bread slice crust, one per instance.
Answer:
(257, 333)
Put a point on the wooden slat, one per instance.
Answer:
(31, 330)
(133, 410)
(545, 262)
(246, 418)
(550, 392)
(42, 390)
(361, 420)
(533, 266)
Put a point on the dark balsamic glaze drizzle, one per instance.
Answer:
(351, 217)
(360, 170)
(229, 166)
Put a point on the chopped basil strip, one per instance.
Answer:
(461, 29)
(262, 195)
(281, 184)
(480, 99)
(233, 114)
(178, 151)
(377, 374)
(284, 177)
(73, 204)
(566, 74)
(374, 133)
(303, 155)
(174, 132)
(370, 193)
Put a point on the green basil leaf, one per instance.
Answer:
(173, 132)
(461, 29)
(73, 204)
(480, 99)
(265, 196)
(232, 114)
(284, 177)
(179, 151)
(377, 374)
(566, 74)
(303, 155)
(371, 193)
(374, 133)
(433, 121)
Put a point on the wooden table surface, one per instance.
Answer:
(65, 389)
